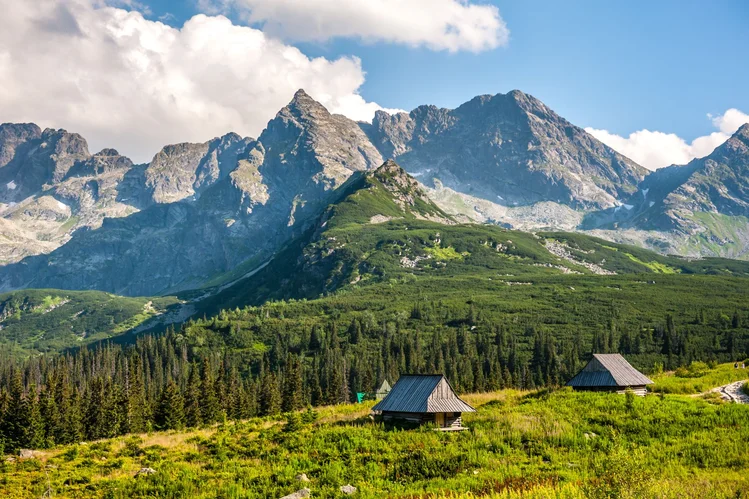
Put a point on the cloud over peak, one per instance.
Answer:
(653, 149)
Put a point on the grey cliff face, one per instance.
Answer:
(308, 152)
(510, 149)
(183, 170)
(32, 161)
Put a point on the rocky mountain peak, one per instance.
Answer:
(302, 106)
(107, 152)
(183, 170)
(13, 135)
(742, 134)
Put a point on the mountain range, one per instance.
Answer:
(208, 214)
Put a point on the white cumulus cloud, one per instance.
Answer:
(653, 149)
(127, 82)
(450, 25)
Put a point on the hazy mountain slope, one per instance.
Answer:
(50, 186)
(510, 149)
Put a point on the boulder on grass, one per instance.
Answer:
(348, 489)
(299, 494)
(302, 477)
(26, 454)
(145, 472)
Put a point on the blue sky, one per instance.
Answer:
(621, 66)
(640, 76)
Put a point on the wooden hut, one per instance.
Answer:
(424, 398)
(610, 373)
(383, 390)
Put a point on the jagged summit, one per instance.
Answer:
(741, 135)
(302, 106)
(743, 130)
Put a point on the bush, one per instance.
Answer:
(695, 370)
(132, 447)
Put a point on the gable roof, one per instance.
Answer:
(609, 369)
(384, 387)
(425, 393)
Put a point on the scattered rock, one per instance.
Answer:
(145, 471)
(26, 454)
(301, 478)
(348, 489)
(305, 492)
(589, 435)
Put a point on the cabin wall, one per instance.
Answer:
(411, 417)
(452, 419)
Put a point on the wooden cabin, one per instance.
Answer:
(383, 390)
(610, 373)
(422, 399)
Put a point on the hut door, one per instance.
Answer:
(440, 419)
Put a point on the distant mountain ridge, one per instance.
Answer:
(76, 220)
(507, 148)
(702, 207)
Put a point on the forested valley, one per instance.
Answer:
(286, 356)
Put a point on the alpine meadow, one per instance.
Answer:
(475, 301)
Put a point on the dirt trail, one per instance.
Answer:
(733, 392)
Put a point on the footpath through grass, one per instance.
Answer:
(521, 444)
(699, 378)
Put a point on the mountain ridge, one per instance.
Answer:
(196, 211)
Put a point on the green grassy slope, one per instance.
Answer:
(373, 236)
(520, 444)
(41, 320)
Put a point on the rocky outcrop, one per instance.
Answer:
(183, 170)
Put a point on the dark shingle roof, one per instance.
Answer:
(413, 393)
(609, 370)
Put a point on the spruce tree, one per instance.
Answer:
(193, 410)
(292, 384)
(13, 425)
(35, 435)
(170, 410)
(270, 395)
(210, 404)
